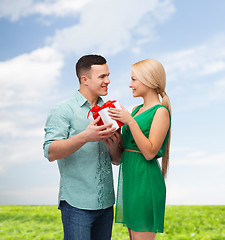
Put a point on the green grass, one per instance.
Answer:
(181, 222)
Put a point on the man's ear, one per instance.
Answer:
(84, 80)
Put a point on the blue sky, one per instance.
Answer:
(40, 42)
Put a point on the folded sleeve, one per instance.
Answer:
(57, 127)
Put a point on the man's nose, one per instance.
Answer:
(107, 80)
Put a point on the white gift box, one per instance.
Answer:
(104, 114)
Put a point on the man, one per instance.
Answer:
(86, 194)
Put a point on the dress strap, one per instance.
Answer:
(136, 110)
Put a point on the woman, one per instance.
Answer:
(146, 137)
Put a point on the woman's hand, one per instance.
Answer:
(121, 115)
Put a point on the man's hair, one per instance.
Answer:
(84, 63)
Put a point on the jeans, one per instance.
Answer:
(79, 224)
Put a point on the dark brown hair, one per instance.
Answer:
(84, 63)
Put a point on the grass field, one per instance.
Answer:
(44, 223)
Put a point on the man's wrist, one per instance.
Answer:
(84, 137)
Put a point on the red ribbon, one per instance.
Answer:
(96, 109)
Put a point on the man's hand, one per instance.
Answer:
(98, 133)
(113, 143)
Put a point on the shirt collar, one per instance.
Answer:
(82, 100)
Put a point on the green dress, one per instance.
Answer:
(141, 192)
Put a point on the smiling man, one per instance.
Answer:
(86, 194)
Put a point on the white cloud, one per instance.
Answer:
(105, 26)
(27, 78)
(217, 92)
(60, 7)
(198, 158)
(21, 127)
(202, 60)
(26, 82)
(195, 194)
(108, 27)
(15, 9)
(195, 177)
(198, 71)
(31, 195)
(23, 8)
(179, 149)
(1, 169)
(14, 151)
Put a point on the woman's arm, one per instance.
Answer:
(160, 125)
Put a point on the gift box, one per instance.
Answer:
(103, 113)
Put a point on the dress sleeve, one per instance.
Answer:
(57, 127)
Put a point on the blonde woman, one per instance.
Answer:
(146, 137)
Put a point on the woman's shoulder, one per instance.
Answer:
(162, 112)
(162, 109)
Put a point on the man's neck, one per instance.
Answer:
(93, 99)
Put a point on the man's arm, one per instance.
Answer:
(59, 149)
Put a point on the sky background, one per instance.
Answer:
(40, 42)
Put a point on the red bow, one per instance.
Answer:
(96, 109)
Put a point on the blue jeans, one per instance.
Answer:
(81, 224)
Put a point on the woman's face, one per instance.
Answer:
(138, 88)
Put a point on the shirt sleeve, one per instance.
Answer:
(56, 128)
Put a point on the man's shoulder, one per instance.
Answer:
(68, 101)
(65, 105)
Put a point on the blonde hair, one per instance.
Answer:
(151, 73)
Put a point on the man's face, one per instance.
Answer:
(98, 79)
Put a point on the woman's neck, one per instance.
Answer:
(151, 99)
